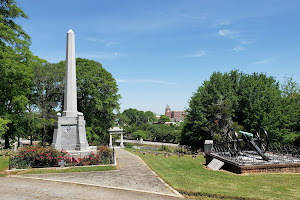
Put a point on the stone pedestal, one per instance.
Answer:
(70, 135)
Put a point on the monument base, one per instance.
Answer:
(80, 154)
(70, 135)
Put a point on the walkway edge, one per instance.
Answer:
(95, 185)
(166, 184)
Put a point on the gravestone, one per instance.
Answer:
(69, 133)
(62, 163)
(215, 164)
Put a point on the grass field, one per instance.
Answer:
(190, 177)
(4, 162)
(64, 170)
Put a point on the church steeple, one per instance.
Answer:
(168, 111)
(168, 108)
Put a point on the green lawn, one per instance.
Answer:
(189, 176)
(4, 164)
(64, 170)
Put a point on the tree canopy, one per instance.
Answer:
(11, 33)
(133, 116)
(16, 70)
(235, 99)
(97, 97)
(164, 118)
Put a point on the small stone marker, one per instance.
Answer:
(76, 160)
(215, 164)
(62, 163)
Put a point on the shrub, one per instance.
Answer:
(37, 156)
(49, 157)
(164, 148)
(128, 145)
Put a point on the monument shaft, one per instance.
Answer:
(70, 95)
(69, 132)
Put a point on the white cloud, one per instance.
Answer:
(238, 48)
(263, 61)
(144, 81)
(228, 33)
(196, 55)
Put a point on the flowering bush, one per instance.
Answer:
(36, 156)
(104, 152)
(103, 156)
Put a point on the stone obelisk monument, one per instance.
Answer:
(70, 96)
(69, 133)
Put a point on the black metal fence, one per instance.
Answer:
(278, 154)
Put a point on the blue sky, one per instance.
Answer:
(161, 51)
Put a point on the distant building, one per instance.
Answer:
(175, 116)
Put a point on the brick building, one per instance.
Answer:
(175, 116)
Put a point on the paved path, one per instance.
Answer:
(133, 175)
(12, 188)
(149, 143)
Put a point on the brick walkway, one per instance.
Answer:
(133, 175)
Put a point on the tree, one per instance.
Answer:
(47, 95)
(123, 119)
(259, 103)
(15, 83)
(11, 33)
(16, 71)
(291, 110)
(164, 118)
(48, 85)
(232, 99)
(139, 134)
(3, 126)
(151, 116)
(137, 117)
(97, 97)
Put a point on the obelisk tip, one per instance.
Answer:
(70, 31)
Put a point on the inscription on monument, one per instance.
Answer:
(68, 136)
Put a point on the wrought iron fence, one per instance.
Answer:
(278, 154)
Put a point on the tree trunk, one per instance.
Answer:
(6, 141)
